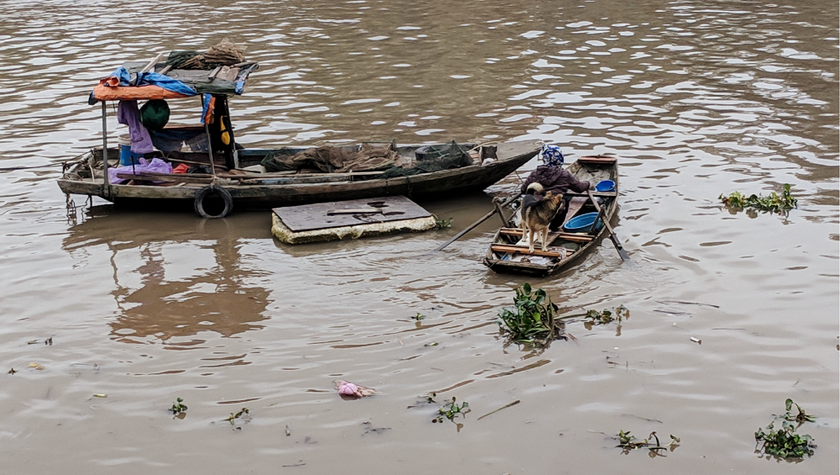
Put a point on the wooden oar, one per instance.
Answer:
(473, 225)
(613, 237)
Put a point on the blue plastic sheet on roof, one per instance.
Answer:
(152, 78)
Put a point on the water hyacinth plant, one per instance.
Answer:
(532, 319)
(785, 442)
(178, 407)
(773, 203)
(450, 410)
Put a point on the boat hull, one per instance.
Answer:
(289, 190)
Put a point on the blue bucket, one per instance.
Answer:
(127, 157)
(582, 223)
(605, 185)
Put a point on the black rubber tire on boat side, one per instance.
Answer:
(213, 190)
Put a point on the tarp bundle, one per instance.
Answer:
(226, 53)
(220, 70)
(328, 159)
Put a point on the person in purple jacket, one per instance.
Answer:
(554, 178)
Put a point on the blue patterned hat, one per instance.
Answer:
(552, 156)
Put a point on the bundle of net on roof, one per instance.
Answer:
(226, 53)
(432, 158)
(371, 157)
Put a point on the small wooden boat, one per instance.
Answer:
(225, 174)
(508, 252)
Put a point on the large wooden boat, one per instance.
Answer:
(226, 175)
(508, 251)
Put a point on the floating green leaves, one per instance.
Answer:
(785, 442)
(605, 316)
(801, 417)
(532, 319)
(243, 415)
(451, 410)
(628, 442)
(773, 203)
(178, 407)
(443, 223)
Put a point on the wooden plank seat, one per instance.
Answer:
(573, 237)
(603, 194)
(551, 252)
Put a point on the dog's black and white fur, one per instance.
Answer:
(538, 213)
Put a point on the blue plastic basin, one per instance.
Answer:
(582, 223)
(605, 185)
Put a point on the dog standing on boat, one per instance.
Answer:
(538, 213)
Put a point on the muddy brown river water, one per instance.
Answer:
(730, 312)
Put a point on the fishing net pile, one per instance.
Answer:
(226, 53)
(432, 158)
(371, 157)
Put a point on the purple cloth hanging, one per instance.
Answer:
(128, 114)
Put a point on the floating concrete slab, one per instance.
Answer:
(352, 219)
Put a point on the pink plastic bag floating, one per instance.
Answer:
(352, 390)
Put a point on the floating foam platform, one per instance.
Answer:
(320, 222)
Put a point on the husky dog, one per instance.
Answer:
(538, 213)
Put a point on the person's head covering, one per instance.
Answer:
(552, 156)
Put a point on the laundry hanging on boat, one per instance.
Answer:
(128, 114)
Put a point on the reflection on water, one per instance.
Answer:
(698, 98)
(212, 292)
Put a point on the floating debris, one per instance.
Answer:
(371, 429)
(244, 415)
(499, 409)
(443, 223)
(628, 442)
(352, 390)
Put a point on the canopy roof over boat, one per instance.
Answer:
(222, 70)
